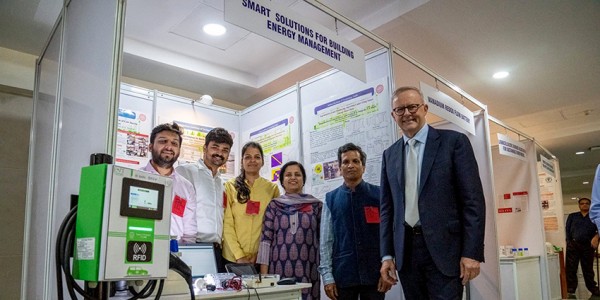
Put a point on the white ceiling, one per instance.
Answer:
(551, 48)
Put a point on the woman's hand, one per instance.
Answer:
(243, 260)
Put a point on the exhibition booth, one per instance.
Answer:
(82, 107)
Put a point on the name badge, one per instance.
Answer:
(178, 207)
(372, 214)
(252, 207)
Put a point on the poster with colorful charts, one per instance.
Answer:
(280, 142)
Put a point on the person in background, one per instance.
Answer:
(580, 232)
(165, 145)
(432, 205)
(210, 198)
(289, 244)
(247, 198)
(349, 246)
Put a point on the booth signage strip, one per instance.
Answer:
(279, 24)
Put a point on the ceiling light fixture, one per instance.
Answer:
(500, 75)
(579, 152)
(586, 182)
(214, 29)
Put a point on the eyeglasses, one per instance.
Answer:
(399, 111)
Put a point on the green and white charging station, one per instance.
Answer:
(122, 226)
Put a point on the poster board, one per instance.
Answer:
(337, 109)
(521, 228)
(274, 124)
(134, 125)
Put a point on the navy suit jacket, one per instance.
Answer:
(451, 201)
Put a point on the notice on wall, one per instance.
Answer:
(192, 147)
(279, 24)
(510, 147)
(362, 117)
(133, 137)
(280, 143)
(548, 200)
(515, 202)
(447, 108)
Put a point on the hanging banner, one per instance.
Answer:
(447, 108)
(547, 165)
(510, 147)
(281, 25)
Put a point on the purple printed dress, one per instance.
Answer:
(289, 242)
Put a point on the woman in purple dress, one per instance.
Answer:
(289, 243)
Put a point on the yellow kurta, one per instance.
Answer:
(241, 231)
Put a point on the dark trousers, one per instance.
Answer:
(584, 253)
(420, 277)
(366, 292)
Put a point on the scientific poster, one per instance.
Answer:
(362, 117)
(548, 201)
(133, 137)
(280, 142)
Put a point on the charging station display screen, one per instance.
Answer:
(142, 199)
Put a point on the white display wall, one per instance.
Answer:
(519, 215)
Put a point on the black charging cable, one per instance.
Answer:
(64, 251)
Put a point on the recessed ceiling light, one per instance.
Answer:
(214, 29)
(500, 75)
(579, 152)
(586, 182)
(573, 198)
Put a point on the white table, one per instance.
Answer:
(521, 278)
(281, 292)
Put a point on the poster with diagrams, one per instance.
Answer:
(133, 137)
(192, 147)
(280, 142)
(362, 117)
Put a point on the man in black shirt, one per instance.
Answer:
(580, 232)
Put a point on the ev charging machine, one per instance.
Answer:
(122, 225)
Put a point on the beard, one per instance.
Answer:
(163, 162)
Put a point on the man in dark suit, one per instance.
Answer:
(432, 206)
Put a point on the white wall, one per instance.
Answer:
(16, 69)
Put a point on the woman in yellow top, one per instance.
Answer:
(247, 198)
